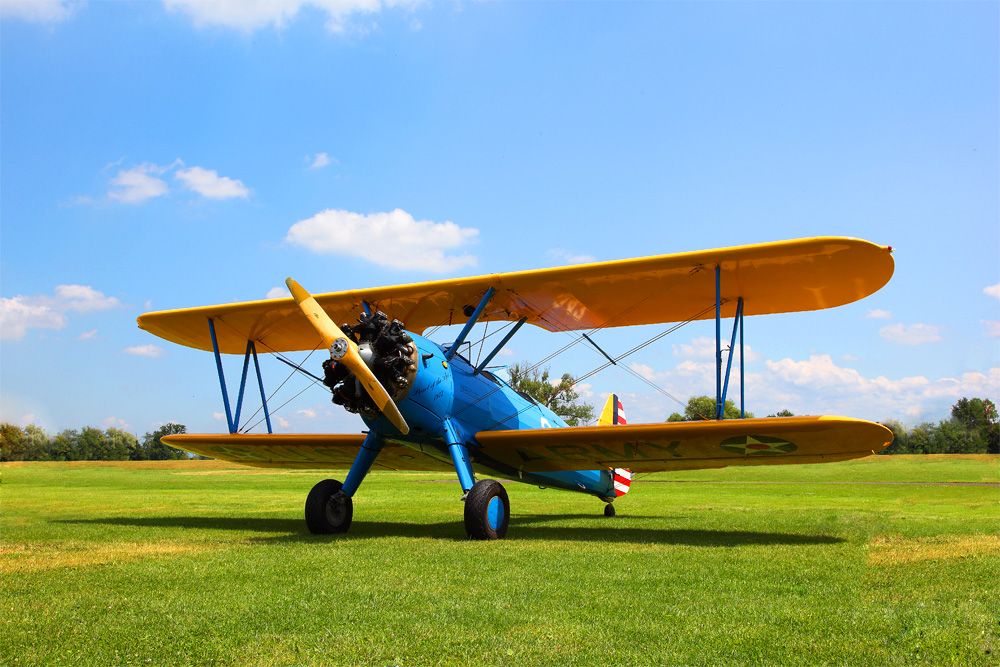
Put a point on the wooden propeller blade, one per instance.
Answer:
(330, 333)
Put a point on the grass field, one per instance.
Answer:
(210, 564)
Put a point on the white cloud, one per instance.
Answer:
(308, 413)
(278, 293)
(814, 386)
(992, 328)
(218, 416)
(208, 183)
(911, 334)
(392, 239)
(87, 335)
(703, 347)
(114, 422)
(20, 313)
(249, 16)
(564, 256)
(145, 350)
(993, 291)
(319, 161)
(39, 11)
(83, 298)
(879, 315)
(138, 184)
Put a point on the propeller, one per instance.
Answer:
(345, 351)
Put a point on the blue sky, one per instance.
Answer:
(158, 155)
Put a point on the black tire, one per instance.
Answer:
(609, 510)
(487, 511)
(325, 514)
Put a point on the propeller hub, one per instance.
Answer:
(339, 348)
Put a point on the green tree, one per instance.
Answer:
(121, 444)
(156, 450)
(703, 407)
(783, 413)
(37, 444)
(900, 438)
(93, 445)
(12, 443)
(66, 446)
(558, 396)
(979, 415)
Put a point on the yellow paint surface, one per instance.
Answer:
(781, 277)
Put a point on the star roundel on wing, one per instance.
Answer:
(752, 445)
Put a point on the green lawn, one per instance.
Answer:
(205, 563)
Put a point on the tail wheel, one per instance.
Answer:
(487, 511)
(328, 511)
(609, 510)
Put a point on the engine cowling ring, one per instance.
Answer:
(387, 350)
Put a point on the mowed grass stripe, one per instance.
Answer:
(142, 564)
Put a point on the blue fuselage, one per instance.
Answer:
(449, 393)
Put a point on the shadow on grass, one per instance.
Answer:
(522, 527)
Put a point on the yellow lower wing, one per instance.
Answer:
(303, 451)
(687, 445)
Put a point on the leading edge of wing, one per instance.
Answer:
(300, 451)
(779, 277)
(687, 445)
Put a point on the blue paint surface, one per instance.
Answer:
(495, 513)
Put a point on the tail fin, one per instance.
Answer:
(614, 414)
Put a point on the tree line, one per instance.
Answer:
(31, 443)
(971, 429)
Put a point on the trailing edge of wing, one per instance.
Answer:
(786, 276)
(302, 451)
(687, 445)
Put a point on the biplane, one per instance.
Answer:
(428, 407)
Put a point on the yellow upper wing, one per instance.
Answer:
(786, 276)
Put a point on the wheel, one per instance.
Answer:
(326, 511)
(609, 510)
(487, 511)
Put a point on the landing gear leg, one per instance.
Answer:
(328, 509)
(609, 510)
(487, 511)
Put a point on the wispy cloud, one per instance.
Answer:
(115, 422)
(319, 161)
(564, 256)
(879, 315)
(911, 334)
(145, 350)
(248, 17)
(20, 313)
(87, 335)
(992, 328)
(278, 293)
(993, 291)
(703, 348)
(40, 11)
(393, 239)
(138, 184)
(209, 184)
